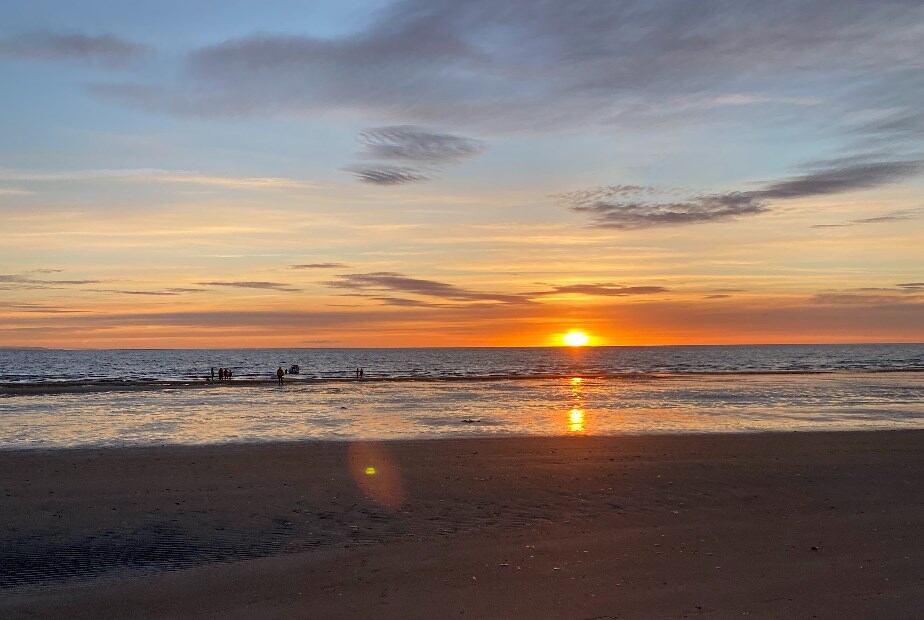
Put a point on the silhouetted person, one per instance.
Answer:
(227, 374)
(280, 375)
(213, 372)
(362, 373)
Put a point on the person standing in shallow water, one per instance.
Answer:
(280, 374)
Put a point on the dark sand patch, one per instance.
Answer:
(771, 524)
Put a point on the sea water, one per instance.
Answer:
(153, 397)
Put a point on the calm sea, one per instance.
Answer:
(51, 398)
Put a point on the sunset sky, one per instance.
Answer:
(438, 173)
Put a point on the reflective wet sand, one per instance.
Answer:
(436, 409)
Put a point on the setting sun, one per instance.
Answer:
(575, 338)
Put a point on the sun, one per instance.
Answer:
(575, 338)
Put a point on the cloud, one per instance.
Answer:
(170, 292)
(896, 216)
(140, 293)
(103, 49)
(840, 179)
(632, 215)
(602, 290)
(404, 302)
(387, 175)
(183, 289)
(9, 280)
(319, 266)
(410, 143)
(391, 281)
(13, 191)
(862, 299)
(606, 192)
(370, 284)
(256, 284)
(903, 293)
(523, 63)
(38, 308)
(154, 175)
(616, 206)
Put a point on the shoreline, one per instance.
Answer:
(91, 386)
(771, 523)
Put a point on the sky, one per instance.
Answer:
(444, 173)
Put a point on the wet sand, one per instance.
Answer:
(771, 525)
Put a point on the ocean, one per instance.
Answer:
(61, 399)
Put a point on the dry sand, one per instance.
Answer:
(770, 525)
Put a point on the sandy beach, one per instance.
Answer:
(770, 525)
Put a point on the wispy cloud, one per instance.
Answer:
(862, 299)
(391, 281)
(170, 292)
(38, 308)
(370, 284)
(840, 179)
(104, 49)
(897, 216)
(9, 280)
(410, 143)
(616, 207)
(403, 302)
(14, 191)
(319, 266)
(154, 175)
(387, 175)
(629, 215)
(601, 290)
(252, 284)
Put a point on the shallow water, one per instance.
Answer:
(431, 409)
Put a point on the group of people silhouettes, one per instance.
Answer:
(281, 374)
(224, 374)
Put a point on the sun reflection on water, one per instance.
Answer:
(576, 414)
(576, 420)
